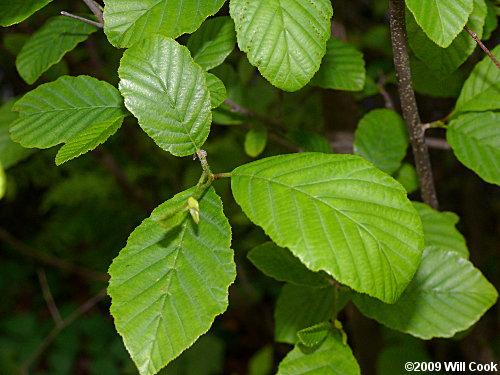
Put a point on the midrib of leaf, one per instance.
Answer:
(66, 109)
(178, 117)
(337, 211)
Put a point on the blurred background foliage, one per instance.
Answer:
(83, 211)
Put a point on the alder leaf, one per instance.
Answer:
(447, 295)
(88, 139)
(212, 42)
(128, 21)
(481, 91)
(475, 140)
(342, 68)
(284, 39)
(441, 20)
(299, 307)
(255, 142)
(444, 61)
(382, 138)
(440, 230)
(170, 282)
(336, 213)
(61, 111)
(49, 44)
(168, 93)
(280, 264)
(10, 152)
(331, 357)
(12, 12)
(217, 90)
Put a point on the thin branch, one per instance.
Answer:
(96, 9)
(236, 108)
(389, 103)
(50, 260)
(59, 327)
(97, 24)
(483, 47)
(54, 311)
(273, 126)
(409, 103)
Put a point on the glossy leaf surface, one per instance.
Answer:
(444, 61)
(336, 213)
(342, 68)
(280, 264)
(212, 42)
(168, 93)
(12, 12)
(447, 295)
(382, 138)
(128, 21)
(481, 91)
(475, 140)
(285, 39)
(61, 111)
(331, 357)
(49, 44)
(440, 230)
(170, 281)
(441, 20)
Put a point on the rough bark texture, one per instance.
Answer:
(409, 103)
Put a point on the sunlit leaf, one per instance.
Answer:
(168, 93)
(170, 282)
(49, 44)
(285, 39)
(128, 21)
(447, 295)
(336, 213)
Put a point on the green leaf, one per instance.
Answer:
(280, 264)
(299, 307)
(491, 21)
(285, 39)
(475, 140)
(167, 92)
(10, 152)
(88, 140)
(444, 61)
(128, 21)
(332, 357)
(169, 283)
(336, 213)
(49, 44)
(382, 138)
(407, 176)
(342, 68)
(440, 230)
(255, 142)
(12, 12)
(312, 336)
(442, 20)
(428, 82)
(447, 295)
(3, 181)
(216, 88)
(63, 110)
(261, 362)
(309, 141)
(481, 91)
(212, 42)
(205, 357)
